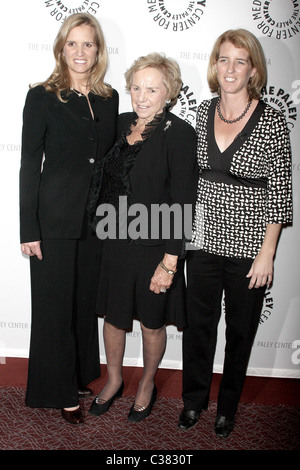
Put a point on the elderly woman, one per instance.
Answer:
(244, 197)
(69, 123)
(152, 164)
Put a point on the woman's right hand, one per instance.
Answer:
(32, 249)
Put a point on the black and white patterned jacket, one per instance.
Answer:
(232, 212)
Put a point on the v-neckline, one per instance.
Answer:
(86, 96)
(241, 136)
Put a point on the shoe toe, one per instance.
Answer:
(188, 418)
(97, 409)
(73, 417)
(136, 416)
(223, 426)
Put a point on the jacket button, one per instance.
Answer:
(91, 160)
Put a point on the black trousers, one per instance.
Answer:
(208, 276)
(64, 348)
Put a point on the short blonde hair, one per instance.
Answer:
(169, 67)
(59, 80)
(240, 38)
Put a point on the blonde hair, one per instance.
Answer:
(240, 38)
(169, 67)
(59, 80)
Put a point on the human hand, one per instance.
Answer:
(32, 249)
(261, 271)
(161, 280)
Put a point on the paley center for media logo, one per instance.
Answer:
(186, 106)
(176, 15)
(276, 18)
(284, 101)
(61, 9)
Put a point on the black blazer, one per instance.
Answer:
(165, 171)
(60, 144)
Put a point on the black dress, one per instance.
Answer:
(127, 265)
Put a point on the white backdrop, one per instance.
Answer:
(186, 31)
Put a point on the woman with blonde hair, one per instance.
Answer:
(244, 197)
(69, 123)
(59, 80)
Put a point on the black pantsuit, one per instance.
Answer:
(61, 142)
(207, 277)
(64, 350)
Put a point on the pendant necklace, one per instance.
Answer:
(77, 92)
(234, 120)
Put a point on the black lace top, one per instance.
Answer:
(111, 177)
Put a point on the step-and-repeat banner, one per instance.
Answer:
(186, 31)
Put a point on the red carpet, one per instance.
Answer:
(268, 419)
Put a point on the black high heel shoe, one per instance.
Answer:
(73, 416)
(136, 416)
(98, 409)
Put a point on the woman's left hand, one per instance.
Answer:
(261, 272)
(161, 280)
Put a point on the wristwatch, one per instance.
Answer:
(169, 271)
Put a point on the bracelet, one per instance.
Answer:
(169, 271)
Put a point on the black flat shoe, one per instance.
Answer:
(84, 392)
(188, 418)
(136, 416)
(98, 409)
(223, 426)
(73, 417)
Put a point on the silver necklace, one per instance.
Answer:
(234, 120)
(77, 92)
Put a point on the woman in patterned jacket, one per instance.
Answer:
(244, 198)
